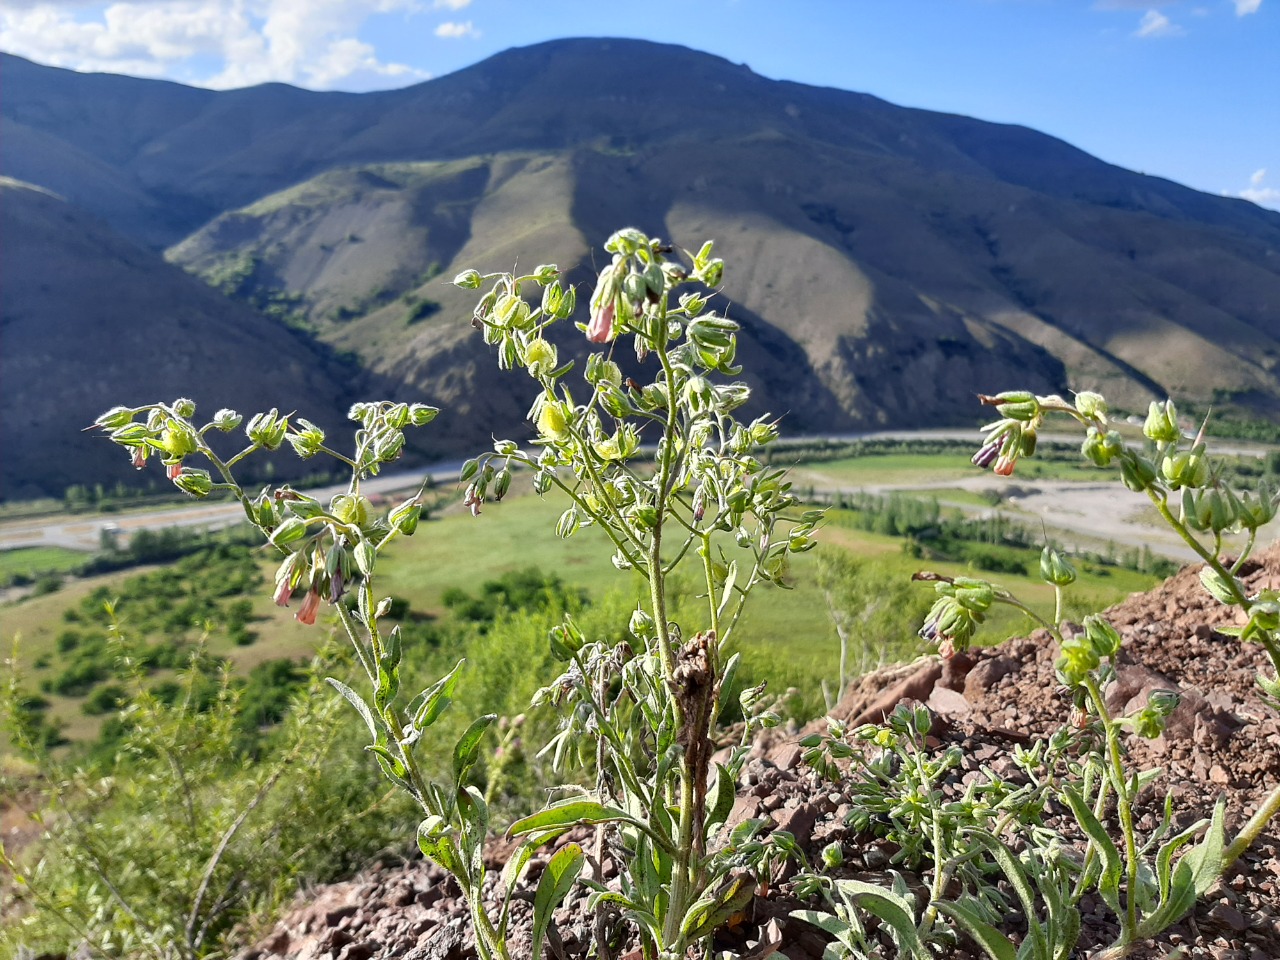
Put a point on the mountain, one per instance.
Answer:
(886, 263)
(90, 319)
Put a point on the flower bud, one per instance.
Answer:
(115, 418)
(198, 483)
(389, 445)
(712, 273)
(1078, 658)
(267, 430)
(306, 440)
(291, 530)
(468, 280)
(420, 414)
(1100, 448)
(626, 241)
(832, 856)
(641, 625)
(501, 484)
(1055, 569)
(763, 432)
(227, 420)
(1162, 423)
(1137, 472)
(545, 273)
(1149, 722)
(404, 518)
(540, 358)
(568, 524)
(692, 304)
(182, 407)
(553, 421)
(1102, 637)
(1188, 468)
(350, 509)
(1091, 405)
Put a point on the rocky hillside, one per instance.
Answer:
(886, 262)
(1222, 740)
(90, 319)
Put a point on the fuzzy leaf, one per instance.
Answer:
(1112, 868)
(554, 885)
(356, 701)
(995, 943)
(569, 813)
(467, 749)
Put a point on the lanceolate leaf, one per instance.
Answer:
(356, 701)
(997, 945)
(1112, 868)
(892, 909)
(567, 813)
(467, 749)
(554, 885)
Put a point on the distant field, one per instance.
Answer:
(28, 561)
(786, 635)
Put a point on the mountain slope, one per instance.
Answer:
(886, 262)
(152, 332)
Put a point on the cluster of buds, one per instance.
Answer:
(1012, 436)
(484, 480)
(1084, 653)
(327, 547)
(511, 323)
(961, 606)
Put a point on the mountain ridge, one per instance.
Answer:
(887, 262)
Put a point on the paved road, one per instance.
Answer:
(85, 533)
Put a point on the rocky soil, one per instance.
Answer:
(1222, 741)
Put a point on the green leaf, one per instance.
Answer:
(1012, 867)
(995, 943)
(356, 701)
(554, 885)
(467, 749)
(892, 909)
(436, 699)
(827, 922)
(1220, 589)
(1112, 868)
(726, 792)
(1205, 858)
(436, 843)
(707, 915)
(568, 813)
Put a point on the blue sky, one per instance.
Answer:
(1184, 89)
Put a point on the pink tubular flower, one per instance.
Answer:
(310, 604)
(1004, 466)
(173, 470)
(283, 593)
(601, 326)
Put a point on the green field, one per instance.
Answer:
(30, 561)
(786, 636)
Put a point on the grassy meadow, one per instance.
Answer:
(786, 636)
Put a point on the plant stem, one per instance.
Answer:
(1129, 922)
(1251, 830)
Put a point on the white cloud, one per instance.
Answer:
(1246, 7)
(1156, 24)
(216, 43)
(451, 4)
(1263, 196)
(452, 31)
